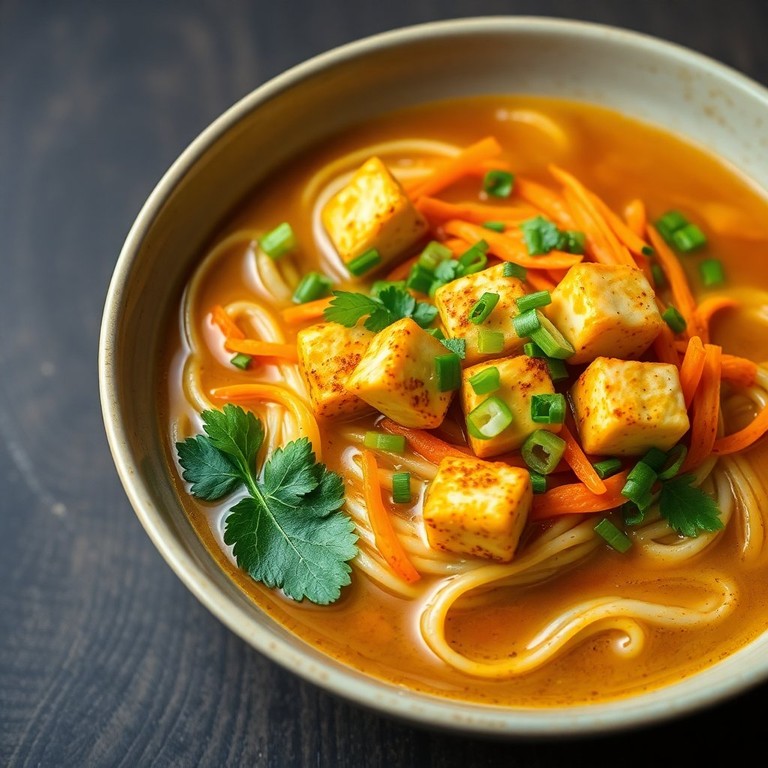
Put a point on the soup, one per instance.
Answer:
(523, 338)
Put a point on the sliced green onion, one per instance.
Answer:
(433, 254)
(533, 350)
(313, 285)
(542, 451)
(639, 485)
(383, 441)
(669, 223)
(631, 514)
(436, 332)
(419, 279)
(401, 487)
(548, 408)
(689, 238)
(486, 381)
(381, 285)
(459, 346)
(526, 323)
(495, 226)
(473, 259)
(489, 419)
(489, 342)
(659, 278)
(674, 319)
(365, 262)
(712, 272)
(607, 467)
(510, 269)
(646, 250)
(533, 300)
(557, 369)
(448, 369)
(655, 458)
(674, 462)
(613, 537)
(498, 183)
(241, 361)
(538, 482)
(483, 307)
(279, 241)
(549, 338)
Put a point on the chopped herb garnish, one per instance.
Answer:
(674, 319)
(391, 304)
(498, 183)
(712, 272)
(459, 346)
(279, 241)
(241, 361)
(288, 531)
(688, 510)
(542, 236)
(612, 536)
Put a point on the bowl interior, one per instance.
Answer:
(653, 81)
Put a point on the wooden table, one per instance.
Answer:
(105, 658)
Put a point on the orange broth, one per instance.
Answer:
(371, 630)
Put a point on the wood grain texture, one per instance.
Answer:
(105, 658)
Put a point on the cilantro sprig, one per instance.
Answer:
(288, 531)
(390, 305)
(688, 509)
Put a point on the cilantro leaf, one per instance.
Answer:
(424, 314)
(399, 302)
(391, 304)
(458, 346)
(289, 531)
(542, 236)
(347, 308)
(688, 509)
(379, 319)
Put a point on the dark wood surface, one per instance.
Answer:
(105, 658)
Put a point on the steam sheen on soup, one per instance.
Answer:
(526, 340)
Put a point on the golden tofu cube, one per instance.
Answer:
(521, 378)
(373, 211)
(455, 300)
(605, 310)
(328, 353)
(626, 407)
(477, 508)
(397, 375)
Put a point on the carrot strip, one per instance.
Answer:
(738, 370)
(389, 545)
(226, 324)
(546, 200)
(258, 348)
(582, 467)
(276, 394)
(454, 168)
(577, 499)
(439, 210)
(705, 410)
(637, 217)
(678, 282)
(744, 438)
(304, 313)
(400, 272)
(428, 446)
(692, 369)
(635, 243)
(708, 307)
(511, 248)
(664, 346)
(540, 281)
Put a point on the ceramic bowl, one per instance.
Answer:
(653, 80)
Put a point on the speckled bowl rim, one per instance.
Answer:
(683, 698)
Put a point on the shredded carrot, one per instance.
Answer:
(548, 201)
(604, 245)
(633, 242)
(509, 247)
(427, 445)
(708, 307)
(454, 168)
(664, 346)
(692, 368)
(580, 464)
(389, 545)
(258, 348)
(637, 217)
(275, 393)
(705, 410)
(540, 281)
(577, 499)
(678, 282)
(744, 438)
(305, 313)
(457, 245)
(438, 211)
(739, 370)
(400, 272)
(226, 324)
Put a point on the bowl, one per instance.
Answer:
(661, 83)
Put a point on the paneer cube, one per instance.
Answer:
(605, 310)
(455, 300)
(521, 378)
(626, 407)
(372, 211)
(477, 508)
(397, 375)
(328, 353)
